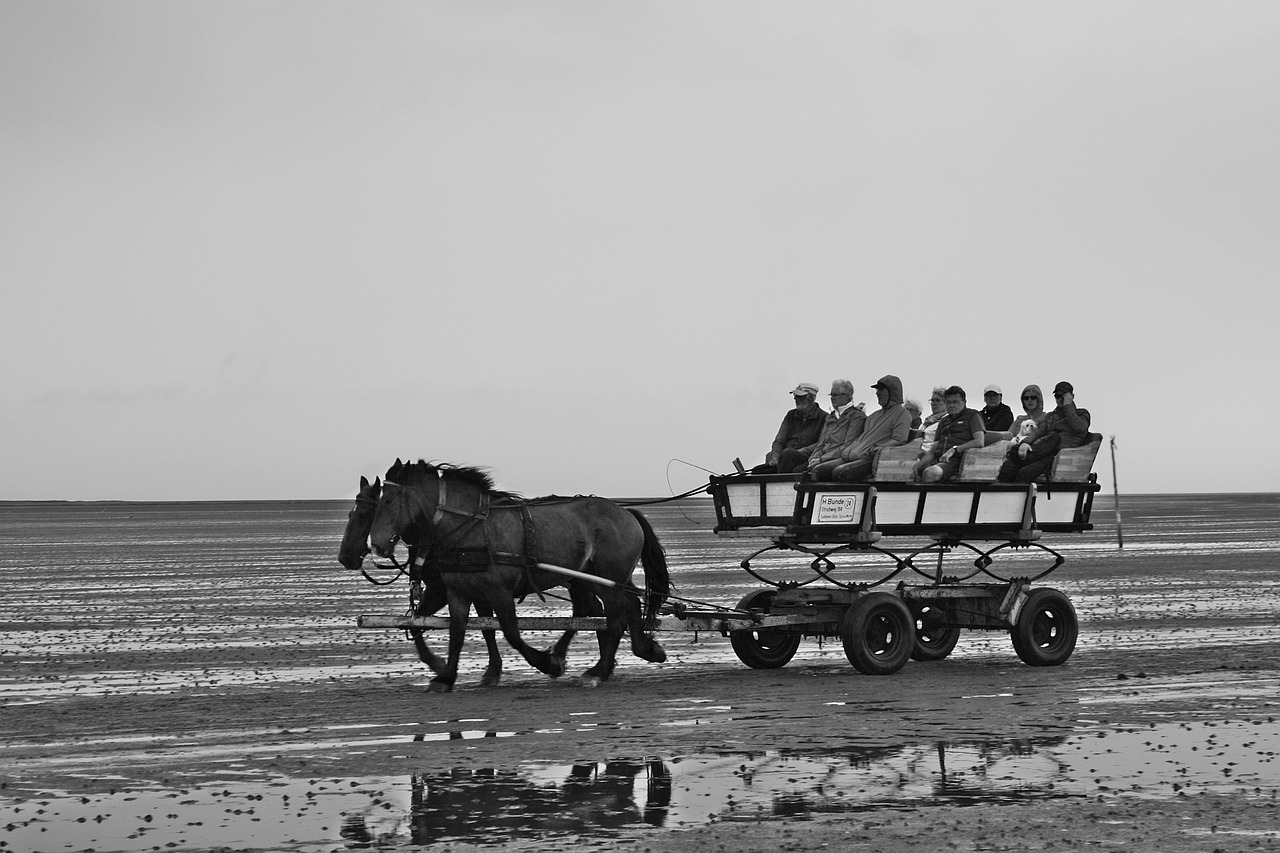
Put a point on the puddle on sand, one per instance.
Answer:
(625, 797)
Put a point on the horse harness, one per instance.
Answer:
(445, 554)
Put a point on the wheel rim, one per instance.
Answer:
(931, 627)
(1048, 629)
(881, 635)
(769, 641)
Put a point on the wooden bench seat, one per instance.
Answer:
(895, 464)
(1075, 464)
(981, 464)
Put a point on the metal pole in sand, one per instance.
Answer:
(1115, 485)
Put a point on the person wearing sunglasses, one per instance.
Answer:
(843, 427)
(1066, 426)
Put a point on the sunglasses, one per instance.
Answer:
(1030, 397)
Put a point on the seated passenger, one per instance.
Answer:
(912, 405)
(959, 431)
(842, 428)
(995, 414)
(1066, 426)
(798, 434)
(929, 426)
(928, 429)
(1025, 424)
(887, 427)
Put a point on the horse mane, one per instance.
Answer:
(472, 474)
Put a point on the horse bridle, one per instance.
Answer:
(446, 542)
(366, 550)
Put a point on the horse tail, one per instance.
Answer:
(657, 580)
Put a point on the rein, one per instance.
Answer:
(400, 570)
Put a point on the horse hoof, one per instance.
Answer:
(654, 654)
(490, 680)
(437, 686)
(590, 681)
(555, 663)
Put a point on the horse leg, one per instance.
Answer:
(459, 611)
(585, 603)
(505, 610)
(433, 598)
(582, 604)
(493, 672)
(561, 648)
(609, 639)
(643, 645)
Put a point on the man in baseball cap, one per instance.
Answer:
(798, 434)
(995, 414)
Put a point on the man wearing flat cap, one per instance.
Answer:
(798, 434)
(1066, 426)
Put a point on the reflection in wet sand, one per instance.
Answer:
(623, 797)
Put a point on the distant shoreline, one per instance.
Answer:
(695, 498)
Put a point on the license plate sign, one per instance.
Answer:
(836, 509)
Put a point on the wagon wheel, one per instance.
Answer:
(763, 648)
(878, 633)
(935, 638)
(1046, 630)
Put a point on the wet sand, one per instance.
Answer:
(190, 677)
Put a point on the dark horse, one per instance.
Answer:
(351, 554)
(494, 546)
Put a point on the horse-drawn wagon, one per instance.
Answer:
(913, 606)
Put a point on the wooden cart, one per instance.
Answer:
(917, 605)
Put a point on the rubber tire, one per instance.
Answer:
(933, 641)
(765, 648)
(879, 633)
(1046, 631)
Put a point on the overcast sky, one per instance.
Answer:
(255, 250)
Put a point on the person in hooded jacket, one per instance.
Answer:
(1025, 425)
(887, 427)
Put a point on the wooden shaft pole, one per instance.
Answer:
(574, 573)
(1115, 485)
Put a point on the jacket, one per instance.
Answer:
(887, 427)
(1069, 423)
(1037, 417)
(798, 432)
(838, 431)
(998, 417)
(957, 430)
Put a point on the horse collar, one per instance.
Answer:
(440, 498)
